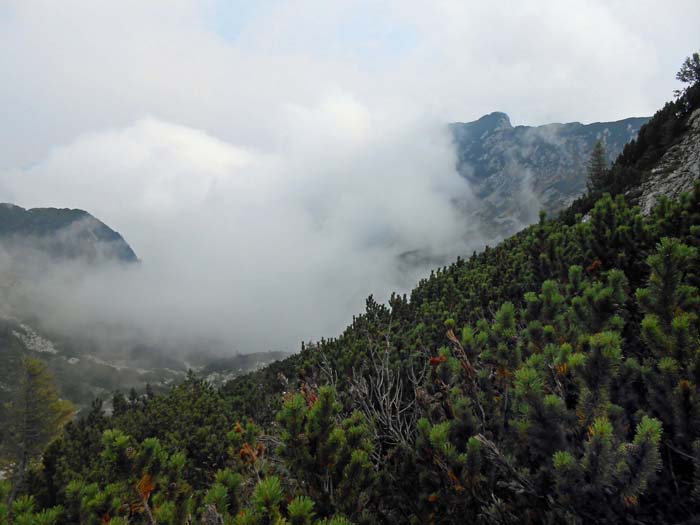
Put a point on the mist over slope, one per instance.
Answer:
(230, 237)
(257, 249)
(44, 252)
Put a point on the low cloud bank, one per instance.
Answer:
(254, 249)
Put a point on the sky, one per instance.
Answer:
(270, 161)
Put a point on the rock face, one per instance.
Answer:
(61, 233)
(677, 170)
(518, 171)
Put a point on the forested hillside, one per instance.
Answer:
(554, 378)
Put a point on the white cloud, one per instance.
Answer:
(260, 250)
(71, 67)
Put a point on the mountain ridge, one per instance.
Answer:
(62, 233)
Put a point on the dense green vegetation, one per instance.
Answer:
(554, 378)
(34, 418)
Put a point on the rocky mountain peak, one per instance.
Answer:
(494, 121)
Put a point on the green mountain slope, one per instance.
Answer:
(554, 378)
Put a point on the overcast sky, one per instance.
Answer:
(229, 67)
(270, 160)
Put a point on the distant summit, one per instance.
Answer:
(516, 171)
(62, 233)
(488, 123)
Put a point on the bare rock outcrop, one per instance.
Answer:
(677, 170)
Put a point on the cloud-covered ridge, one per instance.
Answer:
(257, 249)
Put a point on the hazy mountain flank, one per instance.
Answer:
(61, 233)
(516, 171)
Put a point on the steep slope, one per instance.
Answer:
(516, 171)
(471, 289)
(32, 241)
(450, 354)
(554, 378)
(536, 379)
(677, 170)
